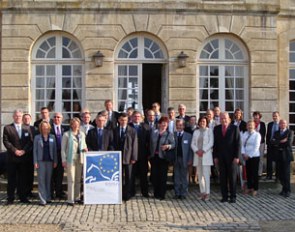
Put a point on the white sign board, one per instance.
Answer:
(102, 178)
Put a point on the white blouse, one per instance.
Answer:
(251, 144)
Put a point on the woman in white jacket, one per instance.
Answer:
(250, 152)
(202, 144)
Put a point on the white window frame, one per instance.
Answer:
(59, 62)
(222, 62)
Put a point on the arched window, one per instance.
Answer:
(223, 75)
(57, 74)
(132, 85)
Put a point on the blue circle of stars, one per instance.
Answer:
(108, 164)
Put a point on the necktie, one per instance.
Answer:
(122, 133)
(19, 131)
(99, 139)
(274, 129)
(223, 130)
(58, 137)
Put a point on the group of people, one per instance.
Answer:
(214, 145)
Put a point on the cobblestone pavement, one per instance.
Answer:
(266, 212)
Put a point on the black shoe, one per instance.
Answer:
(176, 197)
(70, 204)
(287, 194)
(182, 197)
(161, 198)
(25, 201)
(9, 202)
(146, 195)
(49, 202)
(282, 193)
(223, 200)
(80, 202)
(42, 204)
(232, 200)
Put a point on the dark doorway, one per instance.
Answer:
(151, 84)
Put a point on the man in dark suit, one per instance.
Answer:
(112, 120)
(226, 153)
(18, 142)
(183, 159)
(150, 122)
(272, 127)
(125, 140)
(57, 129)
(140, 168)
(182, 115)
(100, 138)
(284, 139)
(44, 112)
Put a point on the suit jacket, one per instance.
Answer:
(143, 139)
(130, 147)
(208, 140)
(63, 130)
(38, 148)
(242, 125)
(12, 142)
(114, 120)
(268, 134)
(227, 147)
(82, 128)
(284, 150)
(187, 153)
(163, 141)
(262, 131)
(107, 140)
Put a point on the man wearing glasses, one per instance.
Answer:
(58, 173)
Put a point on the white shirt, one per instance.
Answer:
(251, 144)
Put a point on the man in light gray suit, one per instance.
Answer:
(183, 159)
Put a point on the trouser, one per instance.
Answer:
(204, 172)
(270, 159)
(180, 178)
(30, 173)
(57, 178)
(126, 174)
(228, 177)
(140, 169)
(252, 165)
(16, 178)
(44, 180)
(261, 160)
(159, 169)
(284, 167)
(74, 175)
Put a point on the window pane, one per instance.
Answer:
(51, 41)
(122, 93)
(65, 41)
(228, 55)
(292, 96)
(148, 54)
(133, 83)
(203, 83)
(50, 70)
(292, 74)
(77, 70)
(292, 107)
(292, 118)
(229, 106)
(122, 70)
(214, 82)
(239, 83)
(240, 104)
(133, 54)
(133, 71)
(50, 94)
(213, 104)
(122, 82)
(40, 70)
(40, 83)
(229, 83)
(229, 94)
(229, 71)
(127, 47)
(292, 85)
(65, 53)
(215, 55)
(292, 46)
(239, 94)
(44, 46)
(66, 82)
(40, 54)
(203, 106)
(51, 53)
(134, 42)
(213, 71)
(66, 70)
(77, 54)
(204, 94)
(40, 93)
(50, 82)
(214, 94)
(77, 83)
(122, 106)
(204, 71)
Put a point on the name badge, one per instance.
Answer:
(155, 131)
(26, 134)
(51, 140)
(185, 141)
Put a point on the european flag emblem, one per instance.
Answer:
(104, 167)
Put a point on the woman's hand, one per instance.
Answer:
(36, 166)
(200, 153)
(165, 147)
(64, 164)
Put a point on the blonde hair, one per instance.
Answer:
(73, 120)
(41, 124)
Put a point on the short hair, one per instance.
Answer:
(44, 108)
(107, 101)
(17, 111)
(130, 108)
(170, 108)
(201, 118)
(123, 115)
(164, 119)
(257, 113)
(100, 115)
(103, 113)
(179, 120)
(44, 122)
(276, 112)
(136, 112)
(27, 114)
(156, 103)
(181, 106)
(149, 111)
(73, 120)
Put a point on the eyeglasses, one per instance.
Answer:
(57, 117)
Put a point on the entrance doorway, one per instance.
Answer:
(151, 84)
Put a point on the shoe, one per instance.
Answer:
(146, 195)
(25, 201)
(49, 202)
(70, 203)
(287, 194)
(80, 202)
(201, 196)
(42, 204)
(254, 193)
(176, 197)
(223, 200)
(161, 198)
(9, 202)
(232, 200)
(206, 197)
(182, 197)
(282, 193)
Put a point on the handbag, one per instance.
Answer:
(169, 155)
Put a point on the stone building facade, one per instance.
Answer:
(240, 54)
